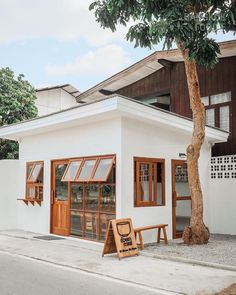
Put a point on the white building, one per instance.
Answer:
(114, 157)
(55, 98)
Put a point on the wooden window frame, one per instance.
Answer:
(152, 192)
(67, 168)
(217, 106)
(108, 171)
(33, 184)
(97, 159)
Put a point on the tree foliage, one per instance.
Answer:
(187, 22)
(17, 103)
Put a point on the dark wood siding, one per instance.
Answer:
(173, 80)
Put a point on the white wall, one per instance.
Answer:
(124, 137)
(223, 196)
(142, 140)
(99, 138)
(9, 185)
(53, 100)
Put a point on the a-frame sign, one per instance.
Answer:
(120, 238)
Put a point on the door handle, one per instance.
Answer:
(52, 197)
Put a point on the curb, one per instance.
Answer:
(190, 261)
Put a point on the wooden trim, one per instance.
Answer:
(138, 202)
(82, 166)
(175, 163)
(68, 166)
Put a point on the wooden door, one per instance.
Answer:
(60, 202)
(181, 198)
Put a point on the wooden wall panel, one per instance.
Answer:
(173, 80)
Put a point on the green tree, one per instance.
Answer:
(17, 103)
(187, 23)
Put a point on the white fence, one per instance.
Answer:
(223, 195)
(8, 193)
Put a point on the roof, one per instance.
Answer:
(107, 108)
(143, 68)
(66, 87)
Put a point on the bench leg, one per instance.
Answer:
(141, 241)
(165, 235)
(158, 235)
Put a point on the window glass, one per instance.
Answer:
(205, 100)
(61, 188)
(103, 223)
(149, 183)
(91, 225)
(87, 170)
(77, 223)
(210, 117)
(107, 202)
(76, 196)
(221, 98)
(224, 118)
(72, 170)
(159, 168)
(144, 177)
(103, 169)
(35, 172)
(91, 197)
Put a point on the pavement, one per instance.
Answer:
(165, 277)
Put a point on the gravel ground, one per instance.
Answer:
(221, 249)
(228, 291)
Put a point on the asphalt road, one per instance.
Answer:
(23, 276)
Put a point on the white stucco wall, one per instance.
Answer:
(9, 192)
(121, 136)
(100, 138)
(53, 100)
(140, 139)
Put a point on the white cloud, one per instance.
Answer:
(22, 20)
(106, 60)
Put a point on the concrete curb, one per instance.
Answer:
(189, 261)
(147, 287)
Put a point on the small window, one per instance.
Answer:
(103, 169)
(149, 182)
(224, 118)
(34, 181)
(221, 98)
(71, 170)
(86, 171)
(210, 117)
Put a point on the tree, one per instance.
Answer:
(17, 103)
(187, 23)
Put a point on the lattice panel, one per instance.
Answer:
(223, 167)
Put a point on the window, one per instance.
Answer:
(149, 182)
(218, 110)
(71, 170)
(89, 169)
(34, 181)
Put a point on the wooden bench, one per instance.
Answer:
(159, 227)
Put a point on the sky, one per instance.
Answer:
(54, 42)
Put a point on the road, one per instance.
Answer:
(23, 276)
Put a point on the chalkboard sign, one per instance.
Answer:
(120, 238)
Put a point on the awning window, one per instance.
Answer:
(34, 172)
(87, 169)
(71, 170)
(103, 169)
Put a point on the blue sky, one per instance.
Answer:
(58, 41)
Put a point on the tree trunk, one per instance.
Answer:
(197, 232)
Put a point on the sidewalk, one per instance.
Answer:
(166, 277)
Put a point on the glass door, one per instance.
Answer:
(59, 200)
(181, 197)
